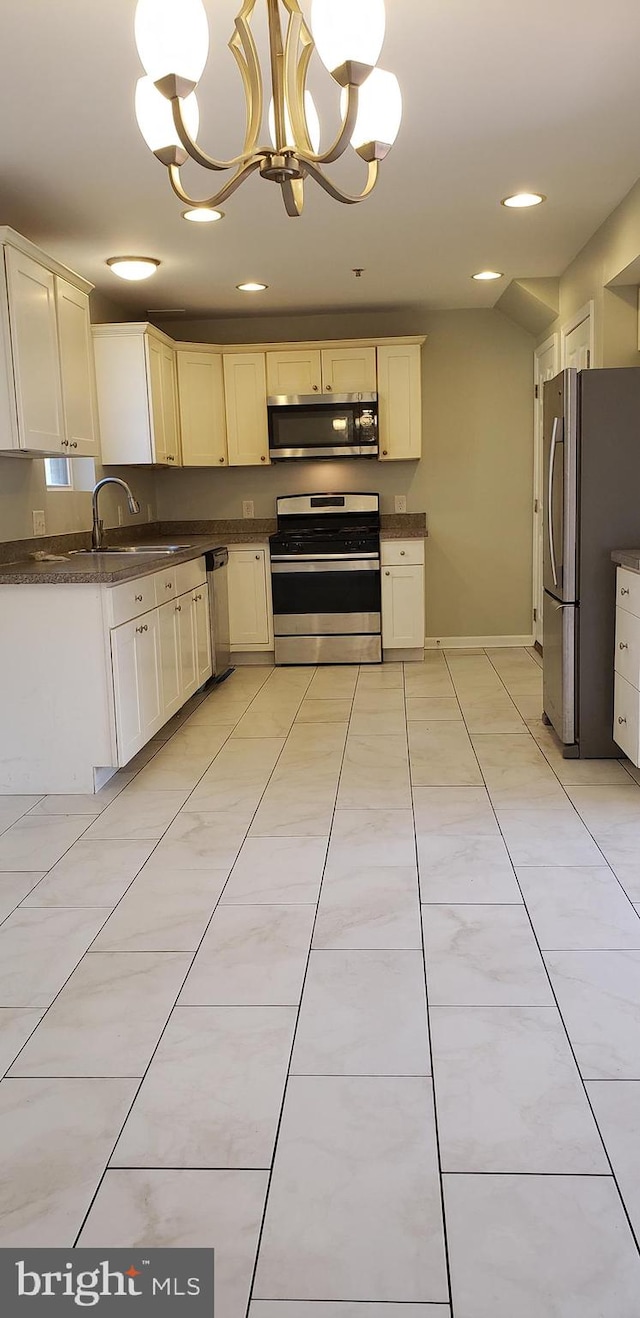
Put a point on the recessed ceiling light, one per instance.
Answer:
(133, 267)
(251, 287)
(202, 215)
(521, 200)
(488, 274)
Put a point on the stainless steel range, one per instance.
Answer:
(325, 575)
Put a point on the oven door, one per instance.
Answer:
(320, 430)
(327, 610)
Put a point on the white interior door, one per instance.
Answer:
(577, 340)
(546, 365)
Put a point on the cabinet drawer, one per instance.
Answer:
(627, 656)
(168, 584)
(189, 575)
(132, 598)
(626, 711)
(628, 591)
(395, 553)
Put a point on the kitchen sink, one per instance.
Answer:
(131, 549)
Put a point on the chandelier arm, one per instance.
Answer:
(335, 192)
(192, 148)
(344, 136)
(229, 188)
(293, 196)
(296, 70)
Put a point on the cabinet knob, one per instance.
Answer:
(220, 459)
(138, 599)
(624, 590)
(178, 608)
(73, 443)
(144, 628)
(168, 585)
(257, 558)
(402, 553)
(64, 443)
(329, 387)
(263, 459)
(384, 452)
(315, 388)
(621, 719)
(196, 598)
(387, 574)
(623, 646)
(170, 457)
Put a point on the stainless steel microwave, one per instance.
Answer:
(305, 426)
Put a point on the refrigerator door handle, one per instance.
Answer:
(557, 423)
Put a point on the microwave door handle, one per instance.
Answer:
(557, 423)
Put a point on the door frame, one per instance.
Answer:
(585, 313)
(552, 342)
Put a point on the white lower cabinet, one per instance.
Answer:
(250, 606)
(202, 627)
(169, 624)
(137, 683)
(626, 701)
(188, 661)
(185, 647)
(403, 612)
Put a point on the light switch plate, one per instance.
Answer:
(247, 508)
(39, 523)
(400, 503)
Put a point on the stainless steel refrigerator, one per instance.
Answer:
(592, 505)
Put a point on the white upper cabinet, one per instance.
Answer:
(400, 401)
(203, 425)
(349, 370)
(76, 364)
(35, 354)
(245, 389)
(294, 372)
(137, 395)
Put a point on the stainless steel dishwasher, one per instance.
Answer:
(217, 563)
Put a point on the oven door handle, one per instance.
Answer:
(324, 558)
(293, 567)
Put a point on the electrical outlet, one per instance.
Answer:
(39, 524)
(247, 508)
(400, 503)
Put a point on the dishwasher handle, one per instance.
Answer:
(216, 558)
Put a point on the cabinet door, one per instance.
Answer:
(245, 389)
(294, 372)
(403, 608)
(137, 680)
(349, 370)
(202, 628)
(250, 613)
(203, 424)
(155, 372)
(400, 401)
(188, 646)
(170, 405)
(36, 359)
(76, 365)
(168, 621)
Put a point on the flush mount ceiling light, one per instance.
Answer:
(133, 267)
(202, 215)
(488, 274)
(172, 37)
(251, 287)
(523, 200)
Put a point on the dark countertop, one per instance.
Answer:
(627, 558)
(19, 567)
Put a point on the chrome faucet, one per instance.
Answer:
(98, 526)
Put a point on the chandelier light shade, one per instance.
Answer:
(172, 37)
(347, 31)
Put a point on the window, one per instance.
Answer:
(58, 473)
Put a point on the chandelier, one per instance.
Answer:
(172, 37)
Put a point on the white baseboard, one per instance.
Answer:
(475, 642)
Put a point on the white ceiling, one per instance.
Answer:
(499, 96)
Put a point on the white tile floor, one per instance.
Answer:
(216, 1027)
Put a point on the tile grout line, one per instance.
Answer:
(567, 1035)
(445, 1233)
